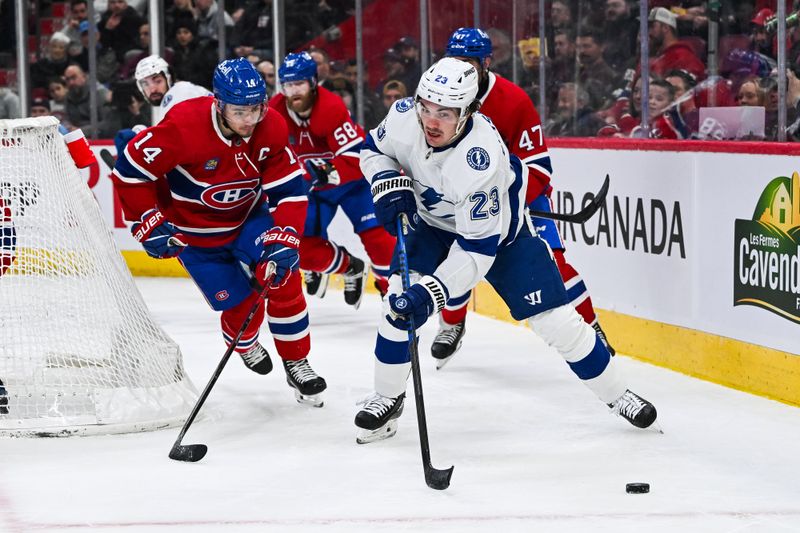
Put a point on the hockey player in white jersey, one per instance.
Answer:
(155, 83)
(464, 196)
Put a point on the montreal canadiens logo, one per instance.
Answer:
(478, 158)
(221, 296)
(230, 195)
(405, 104)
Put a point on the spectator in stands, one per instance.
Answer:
(560, 19)
(179, 11)
(195, 60)
(409, 54)
(393, 91)
(768, 87)
(323, 61)
(40, 106)
(253, 31)
(750, 93)
(267, 71)
(133, 57)
(127, 109)
(684, 84)
(662, 125)
(594, 75)
(119, 28)
(666, 51)
(394, 69)
(574, 117)
(78, 98)
(560, 68)
(760, 39)
(53, 63)
(351, 72)
(78, 12)
(207, 21)
(665, 121)
(9, 104)
(57, 89)
(620, 34)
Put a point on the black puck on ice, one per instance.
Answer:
(637, 488)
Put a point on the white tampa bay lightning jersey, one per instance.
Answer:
(471, 188)
(180, 92)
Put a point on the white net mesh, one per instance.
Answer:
(79, 352)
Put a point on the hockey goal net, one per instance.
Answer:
(79, 351)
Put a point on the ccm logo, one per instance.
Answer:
(230, 195)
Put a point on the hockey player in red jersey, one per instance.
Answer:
(216, 184)
(518, 123)
(328, 143)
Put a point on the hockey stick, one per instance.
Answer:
(192, 453)
(107, 158)
(434, 477)
(584, 214)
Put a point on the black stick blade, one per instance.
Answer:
(188, 453)
(438, 479)
(107, 158)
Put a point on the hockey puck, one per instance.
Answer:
(637, 488)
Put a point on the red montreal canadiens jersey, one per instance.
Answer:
(205, 184)
(518, 122)
(329, 134)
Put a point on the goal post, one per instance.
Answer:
(79, 351)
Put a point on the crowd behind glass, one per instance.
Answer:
(702, 57)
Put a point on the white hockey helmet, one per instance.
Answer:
(451, 83)
(149, 66)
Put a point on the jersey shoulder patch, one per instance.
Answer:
(405, 104)
(478, 158)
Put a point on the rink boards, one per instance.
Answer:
(693, 263)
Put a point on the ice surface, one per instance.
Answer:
(533, 449)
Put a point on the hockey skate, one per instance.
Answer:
(3, 399)
(307, 385)
(355, 278)
(634, 409)
(316, 283)
(602, 335)
(377, 419)
(447, 342)
(257, 359)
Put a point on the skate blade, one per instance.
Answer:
(310, 400)
(364, 277)
(441, 362)
(367, 436)
(323, 287)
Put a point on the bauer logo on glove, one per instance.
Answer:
(159, 238)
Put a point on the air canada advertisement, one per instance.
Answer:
(767, 251)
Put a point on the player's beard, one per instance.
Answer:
(300, 103)
(155, 99)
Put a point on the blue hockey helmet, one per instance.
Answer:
(469, 42)
(298, 67)
(237, 82)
